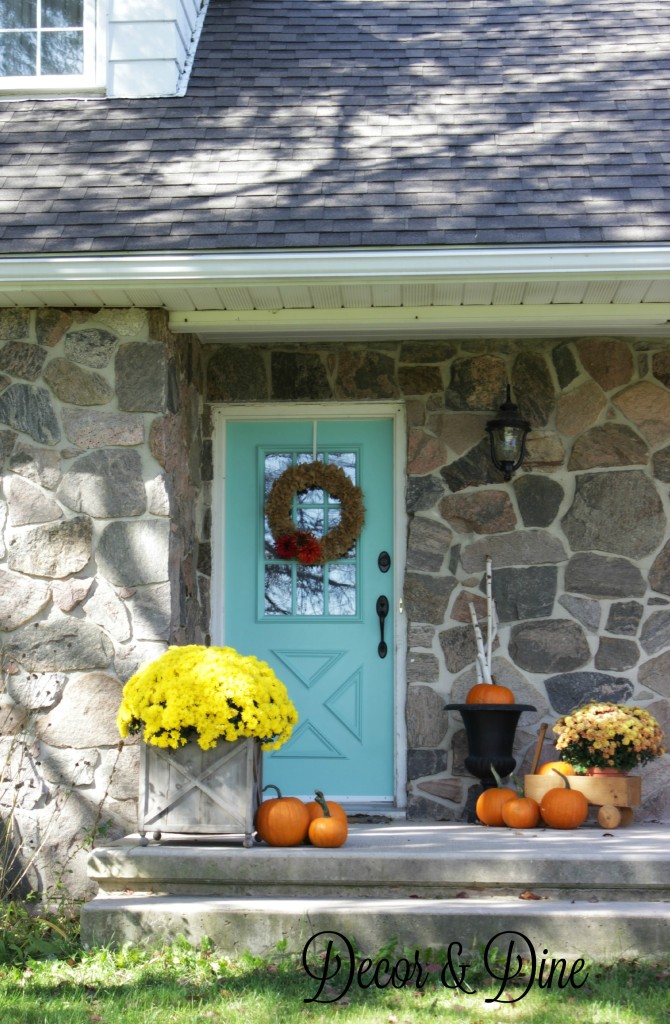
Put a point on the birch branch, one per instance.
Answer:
(481, 654)
(481, 669)
(489, 614)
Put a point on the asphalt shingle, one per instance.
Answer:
(317, 123)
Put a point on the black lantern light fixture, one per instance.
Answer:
(507, 433)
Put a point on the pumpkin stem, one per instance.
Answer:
(563, 777)
(517, 784)
(321, 801)
(276, 789)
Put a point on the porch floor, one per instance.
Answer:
(586, 891)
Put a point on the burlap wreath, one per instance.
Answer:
(294, 543)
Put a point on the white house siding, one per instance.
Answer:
(151, 45)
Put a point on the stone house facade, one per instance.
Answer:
(330, 201)
(107, 439)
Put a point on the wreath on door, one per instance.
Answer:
(291, 542)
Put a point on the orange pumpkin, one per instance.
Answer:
(489, 693)
(490, 804)
(315, 810)
(522, 812)
(327, 831)
(564, 807)
(556, 766)
(282, 820)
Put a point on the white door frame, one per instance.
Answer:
(395, 411)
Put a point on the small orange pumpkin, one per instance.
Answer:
(490, 803)
(315, 810)
(556, 766)
(564, 807)
(282, 820)
(489, 693)
(522, 812)
(327, 831)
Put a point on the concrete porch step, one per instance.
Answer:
(439, 861)
(576, 929)
(584, 892)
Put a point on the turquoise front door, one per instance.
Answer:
(317, 626)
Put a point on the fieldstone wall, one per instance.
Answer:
(100, 440)
(578, 538)
(105, 523)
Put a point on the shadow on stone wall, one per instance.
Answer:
(100, 437)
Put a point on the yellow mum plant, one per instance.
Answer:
(603, 735)
(206, 694)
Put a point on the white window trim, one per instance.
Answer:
(92, 78)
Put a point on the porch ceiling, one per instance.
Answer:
(366, 294)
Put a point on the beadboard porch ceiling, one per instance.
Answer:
(367, 294)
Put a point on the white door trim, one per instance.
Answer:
(221, 414)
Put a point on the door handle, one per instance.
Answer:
(382, 612)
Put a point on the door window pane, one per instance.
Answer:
(342, 589)
(346, 461)
(310, 519)
(312, 497)
(275, 465)
(278, 590)
(312, 591)
(309, 590)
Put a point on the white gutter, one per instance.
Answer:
(289, 266)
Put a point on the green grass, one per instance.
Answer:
(59, 983)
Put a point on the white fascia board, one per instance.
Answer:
(436, 321)
(287, 266)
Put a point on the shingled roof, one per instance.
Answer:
(348, 123)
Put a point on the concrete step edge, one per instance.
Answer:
(298, 866)
(449, 889)
(299, 906)
(580, 928)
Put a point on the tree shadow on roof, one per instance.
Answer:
(341, 123)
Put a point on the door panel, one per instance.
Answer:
(317, 626)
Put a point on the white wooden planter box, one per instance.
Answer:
(200, 792)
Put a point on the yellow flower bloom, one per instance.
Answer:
(211, 692)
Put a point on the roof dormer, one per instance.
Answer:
(117, 47)
(152, 45)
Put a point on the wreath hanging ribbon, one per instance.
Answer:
(290, 542)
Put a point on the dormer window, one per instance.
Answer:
(47, 44)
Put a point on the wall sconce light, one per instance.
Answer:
(508, 438)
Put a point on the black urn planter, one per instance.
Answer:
(490, 730)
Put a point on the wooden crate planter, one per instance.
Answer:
(611, 793)
(200, 792)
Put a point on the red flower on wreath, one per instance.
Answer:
(309, 549)
(286, 546)
(301, 545)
